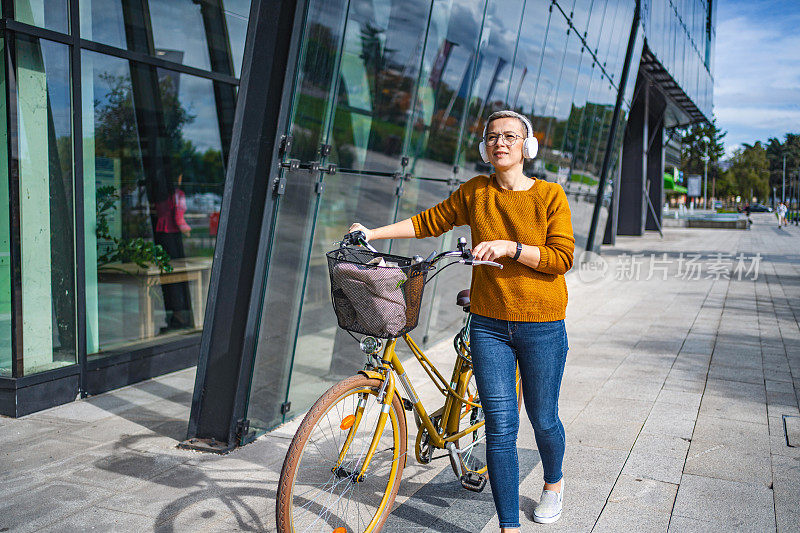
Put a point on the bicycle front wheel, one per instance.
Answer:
(318, 491)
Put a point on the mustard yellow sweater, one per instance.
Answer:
(537, 217)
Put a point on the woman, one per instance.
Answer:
(518, 311)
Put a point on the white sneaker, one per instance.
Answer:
(549, 508)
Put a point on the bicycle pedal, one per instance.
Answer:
(473, 481)
(407, 405)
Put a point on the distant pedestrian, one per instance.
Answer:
(747, 214)
(781, 212)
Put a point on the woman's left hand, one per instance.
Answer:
(493, 250)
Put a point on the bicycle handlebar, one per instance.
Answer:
(463, 253)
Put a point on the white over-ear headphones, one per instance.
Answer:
(530, 146)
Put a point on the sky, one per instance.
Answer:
(757, 70)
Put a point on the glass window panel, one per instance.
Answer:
(44, 113)
(580, 90)
(379, 65)
(175, 33)
(526, 76)
(309, 345)
(596, 25)
(208, 35)
(546, 93)
(418, 195)
(153, 180)
(562, 107)
(316, 77)
(237, 13)
(615, 55)
(447, 70)
(491, 85)
(440, 316)
(50, 14)
(592, 113)
(581, 11)
(5, 240)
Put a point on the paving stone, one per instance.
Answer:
(734, 408)
(683, 524)
(100, 519)
(689, 400)
(736, 373)
(684, 385)
(47, 503)
(736, 433)
(779, 386)
(711, 458)
(669, 423)
(787, 496)
(629, 517)
(657, 457)
(728, 504)
(631, 388)
(645, 493)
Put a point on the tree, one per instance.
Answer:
(776, 150)
(749, 171)
(695, 142)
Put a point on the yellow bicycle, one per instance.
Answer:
(343, 468)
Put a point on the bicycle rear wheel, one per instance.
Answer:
(313, 494)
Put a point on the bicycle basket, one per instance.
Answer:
(371, 295)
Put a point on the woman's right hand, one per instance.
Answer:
(358, 227)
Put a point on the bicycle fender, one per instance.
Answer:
(372, 374)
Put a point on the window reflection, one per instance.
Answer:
(444, 86)
(50, 14)
(5, 240)
(153, 179)
(44, 110)
(316, 77)
(208, 35)
(383, 43)
(489, 91)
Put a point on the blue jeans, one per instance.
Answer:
(540, 348)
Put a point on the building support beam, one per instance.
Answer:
(226, 347)
(655, 161)
(632, 205)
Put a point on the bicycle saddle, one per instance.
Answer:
(462, 299)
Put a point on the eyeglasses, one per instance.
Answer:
(509, 139)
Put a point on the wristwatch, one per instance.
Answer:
(519, 251)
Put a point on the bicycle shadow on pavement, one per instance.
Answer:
(443, 505)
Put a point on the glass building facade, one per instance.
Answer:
(120, 115)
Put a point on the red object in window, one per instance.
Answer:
(213, 223)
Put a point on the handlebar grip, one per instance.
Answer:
(488, 263)
(357, 238)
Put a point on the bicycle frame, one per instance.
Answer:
(454, 397)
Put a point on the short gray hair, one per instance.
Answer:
(507, 113)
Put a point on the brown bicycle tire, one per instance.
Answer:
(294, 453)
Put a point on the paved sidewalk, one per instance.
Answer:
(673, 402)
